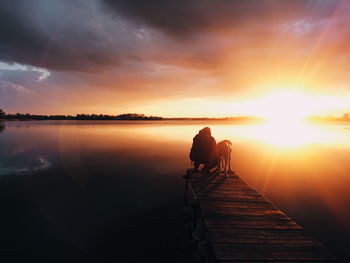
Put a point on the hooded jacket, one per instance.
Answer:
(203, 147)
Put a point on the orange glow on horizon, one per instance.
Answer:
(278, 105)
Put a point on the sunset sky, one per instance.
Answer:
(175, 57)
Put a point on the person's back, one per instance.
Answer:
(203, 149)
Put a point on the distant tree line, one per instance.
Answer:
(127, 116)
(27, 116)
(345, 117)
(136, 116)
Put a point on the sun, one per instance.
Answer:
(284, 106)
(285, 112)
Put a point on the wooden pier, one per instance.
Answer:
(241, 225)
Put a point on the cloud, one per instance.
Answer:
(10, 72)
(17, 79)
(186, 17)
(21, 84)
(111, 56)
(91, 35)
(62, 35)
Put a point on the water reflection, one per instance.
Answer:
(292, 135)
(111, 179)
(39, 164)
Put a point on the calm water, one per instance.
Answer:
(106, 191)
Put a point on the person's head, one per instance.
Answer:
(205, 131)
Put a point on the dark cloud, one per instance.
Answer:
(61, 35)
(81, 36)
(184, 18)
(16, 28)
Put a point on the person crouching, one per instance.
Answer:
(203, 150)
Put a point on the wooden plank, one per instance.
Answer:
(241, 211)
(219, 180)
(226, 216)
(229, 205)
(291, 252)
(216, 180)
(252, 224)
(231, 194)
(230, 197)
(259, 236)
(225, 189)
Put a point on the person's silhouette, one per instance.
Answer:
(203, 150)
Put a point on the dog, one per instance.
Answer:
(224, 149)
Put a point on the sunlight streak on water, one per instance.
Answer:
(286, 135)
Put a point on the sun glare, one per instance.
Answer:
(285, 112)
(284, 107)
(287, 134)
